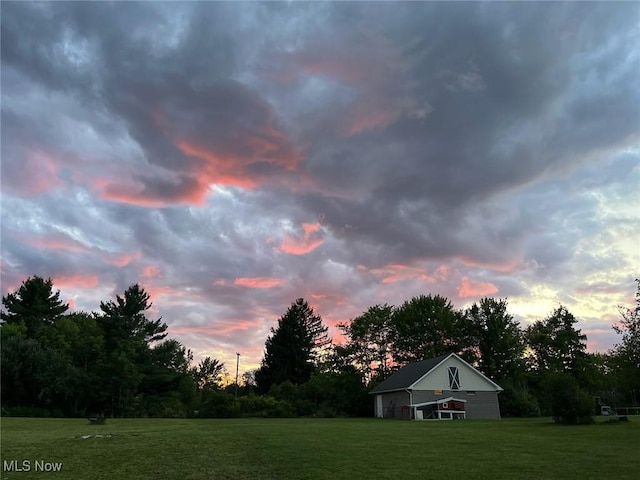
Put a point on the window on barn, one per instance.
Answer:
(454, 379)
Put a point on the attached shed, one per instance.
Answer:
(449, 408)
(445, 387)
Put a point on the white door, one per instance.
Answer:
(379, 406)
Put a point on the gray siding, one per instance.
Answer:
(393, 402)
(480, 405)
(483, 405)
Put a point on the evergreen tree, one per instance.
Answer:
(290, 351)
(34, 305)
(127, 337)
(125, 318)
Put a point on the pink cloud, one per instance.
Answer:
(601, 340)
(369, 121)
(212, 330)
(311, 239)
(228, 164)
(211, 166)
(442, 272)
(394, 273)
(158, 291)
(150, 271)
(470, 288)
(397, 273)
(191, 192)
(56, 242)
(257, 282)
(223, 169)
(206, 162)
(38, 173)
(121, 259)
(79, 280)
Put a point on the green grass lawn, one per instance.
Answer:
(321, 449)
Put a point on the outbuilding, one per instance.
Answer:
(446, 387)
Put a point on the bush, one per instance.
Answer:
(517, 401)
(569, 404)
(264, 406)
(215, 404)
(327, 411)
(26, 411)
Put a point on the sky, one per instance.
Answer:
(231, 157)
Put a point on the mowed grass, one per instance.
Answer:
(321, 449)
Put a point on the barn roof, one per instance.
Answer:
(409, 374)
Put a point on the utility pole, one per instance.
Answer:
(237, 366)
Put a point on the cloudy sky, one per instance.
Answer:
(232, 157)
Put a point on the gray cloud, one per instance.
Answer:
(185, 146)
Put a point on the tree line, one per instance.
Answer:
(118, 362)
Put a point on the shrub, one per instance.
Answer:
(27, 411)
(517, 401)
(569, 403)
(215, 404)
(263, 406)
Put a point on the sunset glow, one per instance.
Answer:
(352, 154)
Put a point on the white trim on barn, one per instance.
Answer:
(471, 368)
(449, 414)
(379, 409)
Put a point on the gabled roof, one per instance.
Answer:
(409, 375)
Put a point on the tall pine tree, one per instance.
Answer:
(128, 334)
(290, 351)
(33, 305)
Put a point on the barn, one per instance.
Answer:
(442, 388)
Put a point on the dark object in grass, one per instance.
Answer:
(96, 419)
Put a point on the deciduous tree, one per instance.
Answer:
(498, 339)
(369, 344)
(627, 352)
(426, 327)
(209, 373)
(555, 343)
